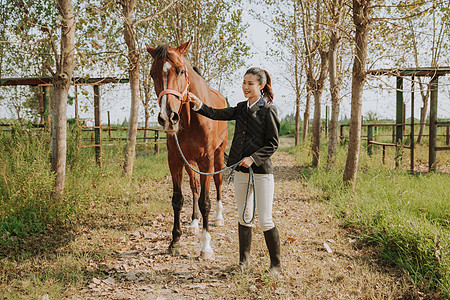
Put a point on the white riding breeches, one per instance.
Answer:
(264, 189)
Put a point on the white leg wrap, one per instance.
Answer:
(193, 228)
(206, 251)
(194, 223)
(219, 214)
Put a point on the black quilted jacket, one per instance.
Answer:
(256, 133)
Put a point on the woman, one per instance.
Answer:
(255, 140)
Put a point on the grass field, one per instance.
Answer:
(45, 246)
(405, 216)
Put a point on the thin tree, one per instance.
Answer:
(133, 72)
(337, 11)
(297, 74)
(61, 83)
(439, 28)
(315, 47)
(361, 19)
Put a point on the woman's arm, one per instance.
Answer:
(222, 114)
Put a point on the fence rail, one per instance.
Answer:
(98, 142)
(396, 142)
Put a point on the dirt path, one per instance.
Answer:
(143, 269)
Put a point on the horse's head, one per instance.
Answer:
(170, 77)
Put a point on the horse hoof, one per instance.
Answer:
(175, 251)
(207, 255)
(192, 230)
(219, 222)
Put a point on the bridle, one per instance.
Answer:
(183, 97)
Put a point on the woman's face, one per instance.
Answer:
(251, 87)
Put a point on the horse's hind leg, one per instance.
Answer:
(195, 186)
(218, 179)
(176, 170)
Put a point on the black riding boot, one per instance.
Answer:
(245, 241)
(273, 244)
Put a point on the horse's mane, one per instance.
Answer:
(162, 51)
(197, 70)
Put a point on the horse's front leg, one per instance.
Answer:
(176, 169)
(205, 207)
(218, 165)
(195, 188)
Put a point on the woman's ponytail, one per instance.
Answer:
(263, 77)
(267, 90)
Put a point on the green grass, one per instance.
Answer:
(49, 245)
(44, 244)
(407, 217)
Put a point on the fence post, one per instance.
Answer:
(47, 107)
(412, 127)
(369, 139)
(398, 122)
(109, 126)
(433, 124)
(393, 134)
(98, 129)
(156, 141)
(447, 139)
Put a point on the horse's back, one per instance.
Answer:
(219, 101)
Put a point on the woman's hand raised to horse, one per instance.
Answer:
(194, 99)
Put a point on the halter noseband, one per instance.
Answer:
(183, 97)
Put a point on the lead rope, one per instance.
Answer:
(251, 180)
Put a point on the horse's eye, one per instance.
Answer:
(182, 72)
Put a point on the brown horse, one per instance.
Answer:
(202, 140)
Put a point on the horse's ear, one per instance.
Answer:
(150, 50)
(183, 49)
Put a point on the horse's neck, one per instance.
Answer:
(189, 118)
(186, 116)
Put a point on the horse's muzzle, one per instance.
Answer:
(169, 124)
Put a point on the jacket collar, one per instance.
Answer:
(260, 103)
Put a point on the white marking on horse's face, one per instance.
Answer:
(163, 107)
(166, 67)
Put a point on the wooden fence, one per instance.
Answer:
(95, 140)
(372, 129)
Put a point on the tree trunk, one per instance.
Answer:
(306, 113)
(38, 92)
(425, 95)
(297, 118)
(423, 110)
(297, 74)
(316, 127)
(334, 85)
(61, 84)
(133, 71)
(297, 101)
(361, 13)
